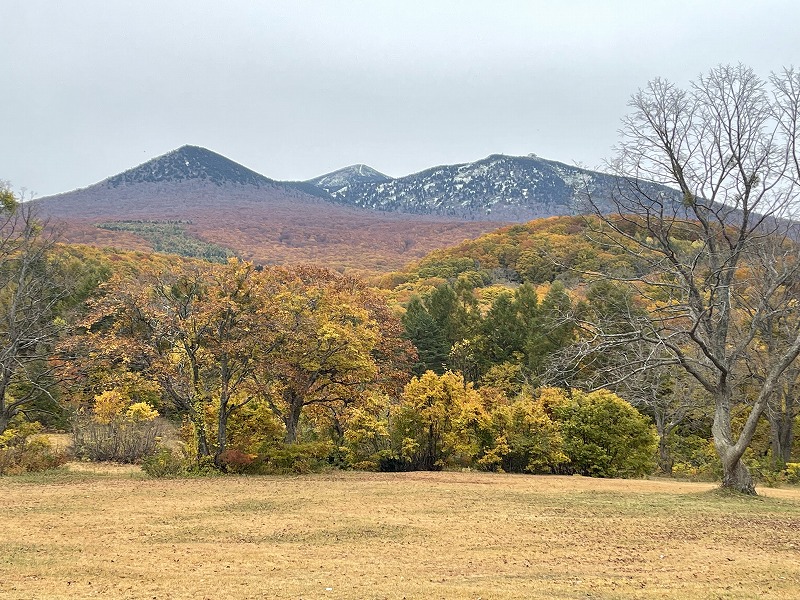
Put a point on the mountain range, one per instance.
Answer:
(353, 218)
(496, 188)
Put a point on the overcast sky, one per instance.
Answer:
(296, 89)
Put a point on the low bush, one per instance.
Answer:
(524, 439)
(766, 472)
(23, 449)
(309, 457)
(367, 441)
(163, 463)
(118, 441)
(236, 461)
(432, 427)
(694, 458)
(604, 436)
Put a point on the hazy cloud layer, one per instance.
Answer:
(296, 89)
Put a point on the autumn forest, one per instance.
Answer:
(658, 338)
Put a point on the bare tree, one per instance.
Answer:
(720, 257)
(610, 354)
(782, 411)
(783, 406)
(32, 286)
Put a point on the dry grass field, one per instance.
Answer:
(111, 533)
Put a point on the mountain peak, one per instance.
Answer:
(366, 171)
(189, 163)
(342, 179)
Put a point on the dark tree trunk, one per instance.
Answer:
(292, 418)
(781, 414)
(222, 434)
(432, 451)
(202, 440)
(665, 461)
(663, 428)
(781, 437)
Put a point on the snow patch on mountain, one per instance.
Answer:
(498, 187)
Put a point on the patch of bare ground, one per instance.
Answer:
(411, 535)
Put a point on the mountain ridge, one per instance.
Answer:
(496, 188)
(259, 220)
(355, 218)
(334, 181)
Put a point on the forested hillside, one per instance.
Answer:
(271, 370)
(466, 358)
(536, 305)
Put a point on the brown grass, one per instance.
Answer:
(114, 534)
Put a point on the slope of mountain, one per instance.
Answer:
(354, 218)
(187, 179)
(212, 199)
(536, 252)
(497, 188)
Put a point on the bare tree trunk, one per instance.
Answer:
(665, 461)
(663, 428)
(735, 474)
(222, 434)
(6, 410)
(781, 418)
(195, 417)
(729, 144)
(202, 440)
(222, 414)
(781, 437)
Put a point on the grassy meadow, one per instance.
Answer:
(108, 532)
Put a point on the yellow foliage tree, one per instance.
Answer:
(432, 425)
